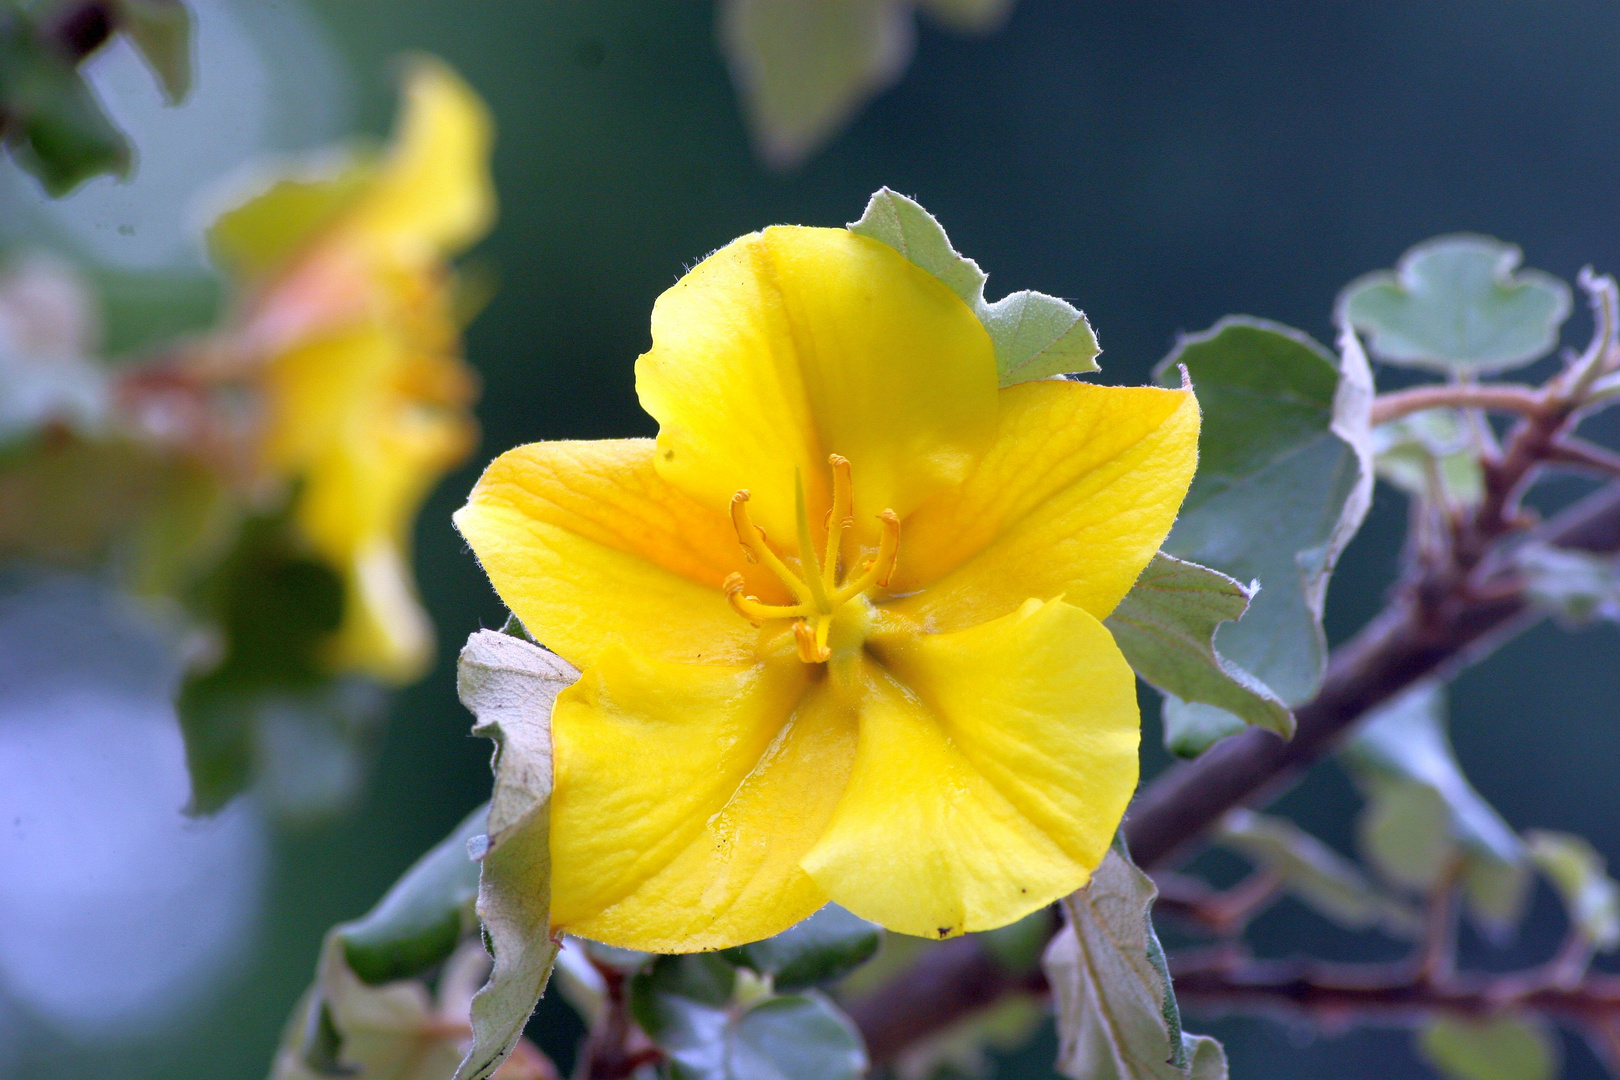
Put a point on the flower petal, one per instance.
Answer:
(1072, 499)
(788, 345)
(432, 194)
(685, 796)
(368, 451)
(591, 548)
(993, 767)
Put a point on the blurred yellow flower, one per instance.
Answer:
(839, 625)
(347, 321)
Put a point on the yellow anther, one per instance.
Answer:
(750, 607)
(754, 543)
(838, 520)
(877, 571)
(811, 651)
(815, 587)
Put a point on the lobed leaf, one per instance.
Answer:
(1284, 480)
(1035, 336)
(1580, 875)
(1498, 1048)
(1117, 1016)
(49, 117)
(1166, 628)
(1422, 814)
(1454, 304)
(509, 685)
(828, 944)
(1316, 875)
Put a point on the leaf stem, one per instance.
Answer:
(1493, 397)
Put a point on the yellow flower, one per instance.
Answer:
(839, 625)
(349, 326)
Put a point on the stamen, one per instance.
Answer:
(807, 553)
(879, 570)
(750, 608)
(838, 520)
(753, 540)
(810, 650)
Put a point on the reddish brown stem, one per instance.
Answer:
(1494, 397)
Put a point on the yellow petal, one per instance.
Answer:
(794, 343)
(591, 548)
(1073, 498)
(366, 450)
(992, 770)
(685, 796)
(432, 193)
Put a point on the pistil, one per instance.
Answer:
(815, 587)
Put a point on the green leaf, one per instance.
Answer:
(1316, 875)
(1017, 947)
(1454, 304)
(794, 1037)
(1035, 336)
(1117, 1016)
(684, 1004)
(1422, 813)
(1284, 480)
(510, 685)
(161, 31)
(270, 713)
(1581, 877)
(49, 116)
(1166, 627)
(1575, 587)
(827, 945)
(1430, 454)
(1498, 1048)
(419, 921)
(803, 67)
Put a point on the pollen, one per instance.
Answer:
(818, 588)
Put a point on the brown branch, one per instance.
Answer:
(1220, 980)
(615, 1047)
(1494, 397)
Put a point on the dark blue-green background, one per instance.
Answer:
(1161, 164)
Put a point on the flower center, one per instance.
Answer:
(818, 592)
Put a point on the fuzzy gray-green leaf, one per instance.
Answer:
(1502, 1047)
(1166, 628)
(1581, 877)
(509, 685)
(1116, 1012)
(1035, 336)
(1455, 304)
(1284, 480)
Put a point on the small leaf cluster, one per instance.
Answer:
(50, 119)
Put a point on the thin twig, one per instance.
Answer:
(1493, 397)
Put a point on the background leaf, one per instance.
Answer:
(1315, 874)
(162, 32)
(419, 921)
(1590, 895)
(1454, 304)
(1575, 587)
(1497, 1048)
(1166, 627)
(1116, 1012)
(1035, 336)
(509, 686)
(1284, 480)
(1422, 813)
(821, 948)
(803, 67)
(1430, 454)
